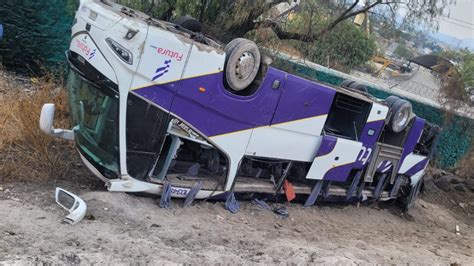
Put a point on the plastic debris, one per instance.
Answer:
(165, 200)
(231, 204)
(281, 212)
(73, 204)
(261, 204)
(289, 190)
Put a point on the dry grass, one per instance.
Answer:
(25, 152)
(466, 165)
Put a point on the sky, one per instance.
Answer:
(458, 21)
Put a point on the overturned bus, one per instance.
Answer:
(155, 103)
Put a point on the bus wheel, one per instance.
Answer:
(401, 115)
(189, 23)
(242, 63)
(354, 86)
(409, 198)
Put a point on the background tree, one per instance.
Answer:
(403, 52)
(457, 79)
(306, 36)
(34, 34)
(35, 31)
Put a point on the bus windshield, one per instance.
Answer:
(95, 113)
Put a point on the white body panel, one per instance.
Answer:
(377, 112)
(272, 142)
(160, 47)
(203, 63)
(344, 152)
(417, 176)
(297, 140)
(410, 161)
(234, 145)
(85, 46)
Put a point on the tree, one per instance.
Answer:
(403, 52)
(416, 11)
(36, 34)
(455, 78)
(234, 18)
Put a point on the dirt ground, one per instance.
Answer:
(124, 229)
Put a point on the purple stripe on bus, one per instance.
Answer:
(339, 173)
(417, 167)
(217, 111)
(327, 146)
(162, 95)
(412, 139)
(302, 99)
(369, 141)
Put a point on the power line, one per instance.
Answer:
(460, 20)
(454, 23)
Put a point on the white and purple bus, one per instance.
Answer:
(155, 103)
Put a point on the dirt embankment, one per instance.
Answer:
(123, 229)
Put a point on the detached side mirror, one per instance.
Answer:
(46, 124)
(73, 204)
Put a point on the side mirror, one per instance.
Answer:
(46, 124)
(73, 204)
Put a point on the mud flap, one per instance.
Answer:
(325, 191)
(314, 194)
(192, 194)
(396, 187)
(360, 192)
(353, 187)
(165, 200)
(380, 186)
(413, 195)
(231, 204)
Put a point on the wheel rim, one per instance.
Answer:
(402, 118)
(245, 66)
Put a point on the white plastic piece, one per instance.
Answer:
(77, 207)
(46, 123)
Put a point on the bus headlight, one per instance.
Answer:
(120, 51)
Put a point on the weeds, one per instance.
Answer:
(466, 165)
(26, 153)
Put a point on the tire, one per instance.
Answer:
(354, 86)
(242, 63)
(408, 201)
(391, 100)
(232, 44)
(346, 83)
(189, 23)
(400, 115)
(359, 87)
